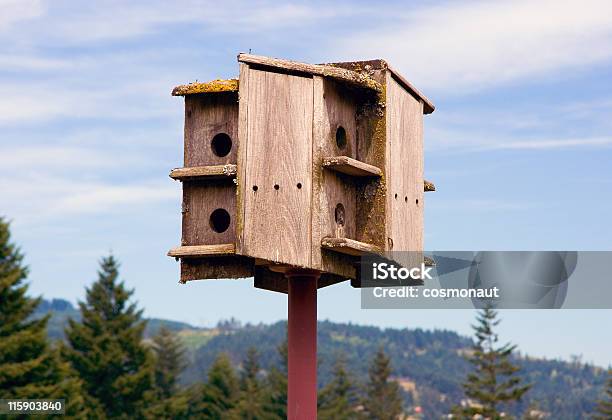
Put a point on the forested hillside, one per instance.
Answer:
(429, 365)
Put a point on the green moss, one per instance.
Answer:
(215, 86)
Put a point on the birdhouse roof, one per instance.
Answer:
(355, 73)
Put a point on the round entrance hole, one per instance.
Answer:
(221, 144)
(219, 220)
(339, 214)
(341, 137)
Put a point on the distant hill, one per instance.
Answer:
(429, 365)
(60, 310)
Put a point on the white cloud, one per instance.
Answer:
(469, 46)
(13, 11)
(84, 22)
(40, 197)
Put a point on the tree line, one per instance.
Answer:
(105, 369)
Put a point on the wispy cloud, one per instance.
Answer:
(459, 46)
(14, 11)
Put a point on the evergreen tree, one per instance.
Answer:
(171, 402)
(169, 361)
(604, 406)
(219, 395)
(106, 348)
(276, 402)
(250, 404)
(337, 399)
(383, 399)
(29, 367)
(494, 381)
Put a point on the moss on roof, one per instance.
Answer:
(215, 86)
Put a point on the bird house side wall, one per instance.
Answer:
(404, 168)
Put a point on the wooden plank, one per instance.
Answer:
(276, 282)
(428, 186)
(214, 86)
(334, 107)
(349, 166)
(405, 170)
(354, 78)
(203, 217)
(277, 184)
(206, 172)
(241, 188)
(207, 116)
(216, 267)
(349, 246)
(194, 251)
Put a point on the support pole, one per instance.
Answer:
(302, 345)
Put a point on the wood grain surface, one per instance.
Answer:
(277, 182)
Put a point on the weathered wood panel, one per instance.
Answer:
(205, 117)
(277, 184)
(222, 267)
(334, 194)
(405, 168)
(372, 149)
(200, 200)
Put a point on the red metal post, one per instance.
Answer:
(302, 345)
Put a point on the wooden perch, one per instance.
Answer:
(350, 166)
(351, 77)
(215, 86)
(196, 251)
(349, 246)
(210, 172)
(428, 186)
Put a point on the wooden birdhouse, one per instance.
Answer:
(303, 166)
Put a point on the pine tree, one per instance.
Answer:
(169, 361)
(29, 367)
(275, 405)
(171, 402)
(250, 404)
(604, 406)
(494, 381)
(383, 399)
(106, 348)
(337, 399)
(219, 395)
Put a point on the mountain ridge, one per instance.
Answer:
(430, 365)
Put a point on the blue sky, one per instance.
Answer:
(520, 145)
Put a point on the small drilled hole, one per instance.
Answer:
(406, 199)
(276, 186)
(396, 196)
(299, 185)
(417, 201)
(219, 220)
(341, 137)
(255, 187)
(339, 214)
(221, 144)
